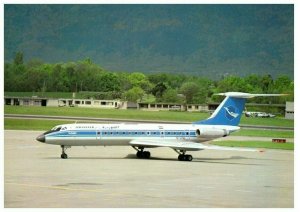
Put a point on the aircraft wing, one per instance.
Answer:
(184, 145)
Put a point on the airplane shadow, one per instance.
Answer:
(198, 160)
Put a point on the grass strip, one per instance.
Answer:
(136, 114)
(265, 133)
(31, 124)
(107, 113)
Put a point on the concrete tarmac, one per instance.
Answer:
(35, 176)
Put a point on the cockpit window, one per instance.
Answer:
(54, 129)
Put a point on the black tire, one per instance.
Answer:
(139, 154)
(147, 154)
(180, 157)
(64, 156)
(188, 157)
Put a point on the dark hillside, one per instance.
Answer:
(209, 40)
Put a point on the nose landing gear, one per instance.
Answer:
(64, 155)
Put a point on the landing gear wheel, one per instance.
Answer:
(183, 157)
(142, 154)
(139, 154)
(180, 157)
(147, 155)
(188, 158)
(64, 156)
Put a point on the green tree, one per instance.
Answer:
(60, 80)
(71, 77)
(284, 85)
(172, 80)
(233, 83)
(171, 96)
(35, 62)
(189, 89)
(134, 94)
(109, 82)
(254, 82)
(159, 89)
(140, 80)
(124, 81)
(9, 77)
(267, 82)
(204, 91)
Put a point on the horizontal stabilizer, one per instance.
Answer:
(246, 95)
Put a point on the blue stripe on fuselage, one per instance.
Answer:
(123, 133)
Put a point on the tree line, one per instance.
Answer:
(84, 75)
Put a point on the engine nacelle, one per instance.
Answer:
(211, 133)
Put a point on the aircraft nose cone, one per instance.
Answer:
(41, 138)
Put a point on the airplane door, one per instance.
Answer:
(162, 134)
(161, 131)
(98, 134)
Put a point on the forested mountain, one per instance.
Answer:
(201, 40)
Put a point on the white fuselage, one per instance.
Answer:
(122, 134)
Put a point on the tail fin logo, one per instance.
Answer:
(231, 112)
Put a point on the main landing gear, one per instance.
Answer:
(64, 155)
(141, 153)
(182, 156)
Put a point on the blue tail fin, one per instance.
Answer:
(231, 109)
(229, 112)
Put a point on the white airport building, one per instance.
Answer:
(289, 110)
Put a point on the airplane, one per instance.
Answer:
(259, 114)
(180, 137)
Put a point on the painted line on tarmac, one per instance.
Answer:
(55, 187)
